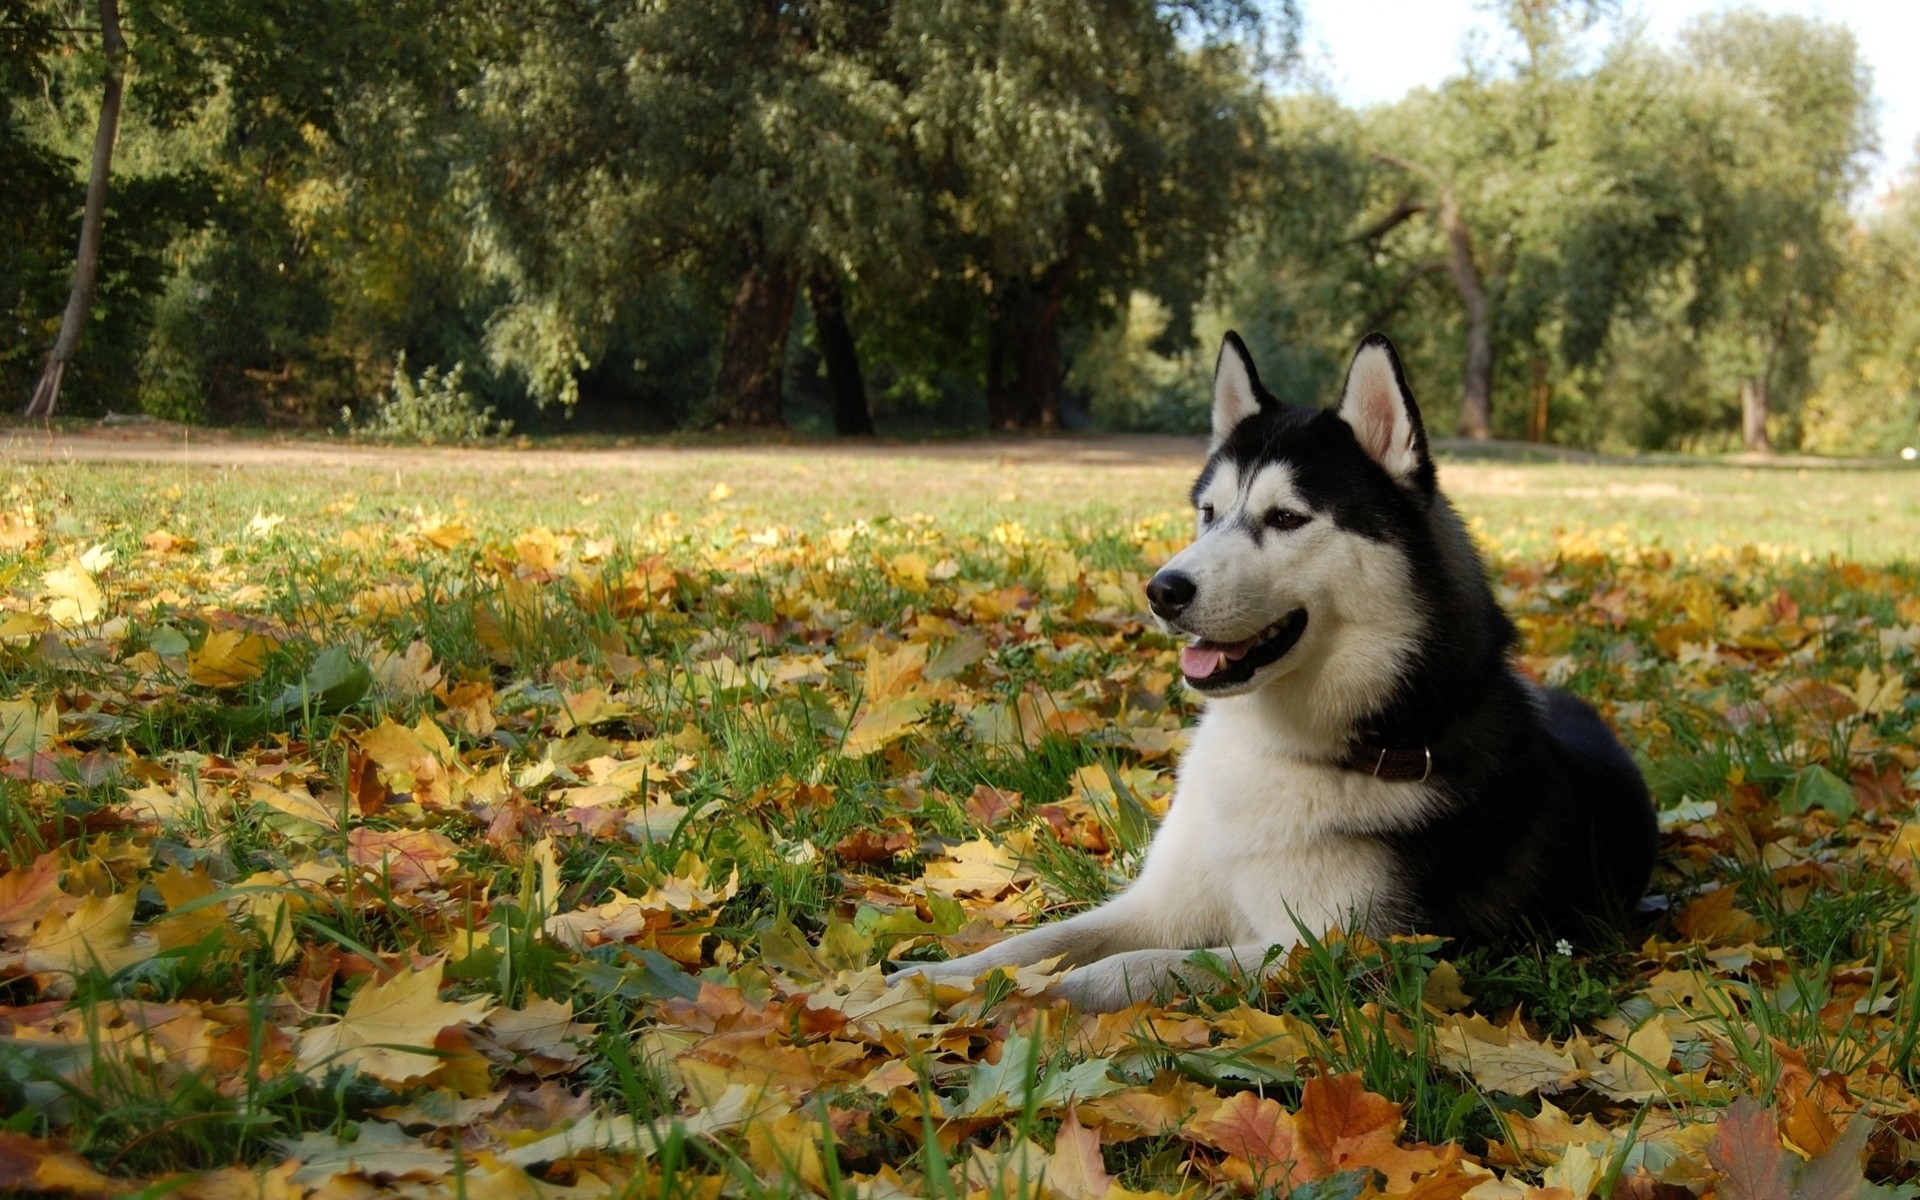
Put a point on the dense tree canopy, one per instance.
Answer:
(975, 213)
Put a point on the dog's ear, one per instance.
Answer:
(1237, 393)
(1383, 415)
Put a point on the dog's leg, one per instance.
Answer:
(1129, 922)
(1114, 983)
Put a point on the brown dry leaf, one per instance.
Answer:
(1504, 1060)
(1342, 1126)
(407, 674)
(390, 1028)
(28, 1164)
(405, 859)
(1716, 919)
(1260, 1141)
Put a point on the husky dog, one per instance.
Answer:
(1367, 757)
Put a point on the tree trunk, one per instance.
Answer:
(1023, 352)
(1542, 399)
(86, 266)
(1476, 398)
(845, 384)
(1753, 415)
(753, 353)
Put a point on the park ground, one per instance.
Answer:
(537, 821)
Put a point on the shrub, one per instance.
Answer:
(433, 408)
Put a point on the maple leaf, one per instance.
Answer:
(26, 727)
(390, 1028)
(228, 658)
(28, 1164)
(1504, 1060)
(27, 893)
(406, 674)
(419, 760)
(97, 934)
(73, 595)
(1023, 1077)
(1343, 1125)
(1075, 1170)
(1756, 1166)
(377, 1151)
(543, 1035)
(405, 858)
(893, 701)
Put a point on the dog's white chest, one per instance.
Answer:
(1265, 843)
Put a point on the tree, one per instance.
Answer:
(1796, 98)
(1866, 377)
(1071, 151)
(753, 148)
(86, 268)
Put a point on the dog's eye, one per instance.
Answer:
(1206, 514)
(1286, 518)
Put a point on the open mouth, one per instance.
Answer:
(1218, 664)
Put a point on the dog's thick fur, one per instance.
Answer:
(1338, 611)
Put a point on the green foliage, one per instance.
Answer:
(432, 409)
(1021, 205)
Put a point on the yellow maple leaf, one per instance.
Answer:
(417, 760)
(538, 548)
(893, 699)
(26, 727)
(73, 595)
(180, 889)
(228, 658)
(443, 532)
(98, 933)
(389, 1028)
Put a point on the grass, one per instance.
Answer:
(686, 743)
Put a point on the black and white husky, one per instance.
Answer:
(1368, 757)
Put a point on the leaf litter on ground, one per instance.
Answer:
(445, 855)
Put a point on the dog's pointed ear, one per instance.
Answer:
(1385, 420)
(1237, 394)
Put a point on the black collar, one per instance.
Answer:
(1396, 763)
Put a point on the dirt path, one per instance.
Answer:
(181, 445)
(178, 445)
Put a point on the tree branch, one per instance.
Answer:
(1406, 210)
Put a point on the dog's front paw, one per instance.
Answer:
(954, 971)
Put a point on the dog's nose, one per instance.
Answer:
(1169, 592)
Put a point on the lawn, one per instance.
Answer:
(538, 824)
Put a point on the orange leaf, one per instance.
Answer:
(1343, 1125)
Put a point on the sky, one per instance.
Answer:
(1373, 51)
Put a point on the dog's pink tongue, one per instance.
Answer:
(1204, 658)
(1198, 662)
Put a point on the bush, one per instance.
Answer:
(434, 408)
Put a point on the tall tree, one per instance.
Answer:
(1073, 150)
(1795, 96)
(746, 145)
(86, 266)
